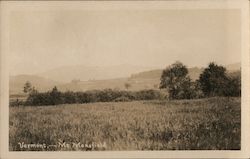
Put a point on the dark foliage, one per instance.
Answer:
(214, 81)
(233, 86)
(177, 82)
(16, 102)
(27, 87)
(56, 97)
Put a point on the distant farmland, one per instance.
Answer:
(204, 124)
(138, 81)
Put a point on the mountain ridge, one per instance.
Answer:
(140, 80)
(85, 73)
(40, 83)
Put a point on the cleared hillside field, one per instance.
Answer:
(202, 124)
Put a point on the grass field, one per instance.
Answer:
(202, 124)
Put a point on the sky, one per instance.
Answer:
(43, 40)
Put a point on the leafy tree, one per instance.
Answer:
(33, 98)
(213, 80)
(27, 87)
(176, 80)
(55, 96)
(196, 91)
(233, 86)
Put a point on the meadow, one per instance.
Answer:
(199, 124)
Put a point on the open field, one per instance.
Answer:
(212, 123)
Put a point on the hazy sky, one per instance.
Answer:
(40, 40)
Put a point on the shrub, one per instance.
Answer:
(56, 97)
(16, 102)
(147, 95)
(69, 97)
(122, 99)
(233, 87)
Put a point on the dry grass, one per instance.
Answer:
(153, 125)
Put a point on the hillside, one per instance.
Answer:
(85, 73)
(142, 80)
(137, 81)
(93, 84)
(40, 83)
(194, 73)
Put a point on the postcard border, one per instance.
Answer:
(7, 6)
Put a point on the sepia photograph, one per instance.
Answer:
(123, 76)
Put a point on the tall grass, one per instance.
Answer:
(204, 124)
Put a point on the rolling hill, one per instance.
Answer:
(85, 73)
(194, 73)
(137, 81)
(16, 83)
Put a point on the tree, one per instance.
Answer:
(55, 96)
(176, 80)
(33, 97)
(27, 87)
(127, 85)
(233, 85)
(213, 80)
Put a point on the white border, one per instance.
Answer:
(7, 6)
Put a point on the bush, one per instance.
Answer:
(122, 99)
(233, 87)
(16, 102)
(56, 97)
(69, 97)
(147, 95)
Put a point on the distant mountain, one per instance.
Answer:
(117, 83)
(138, 81)
(152, 74)
(85, 73)
(194, 74)
(40, 83)
(89, 78)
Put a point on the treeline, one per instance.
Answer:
(55, 97)
(213, 81)
(175, 83)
